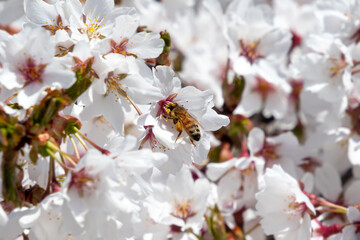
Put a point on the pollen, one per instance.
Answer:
(121, 48)
(82, 181)
(263, 87)
(249, 51)
(92, 26)
(57, 25)
(31, 71)
(294, 208)
(114, 85)
(183, 210)
(338, 66)
(268, 152)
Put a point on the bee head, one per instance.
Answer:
(169, 107)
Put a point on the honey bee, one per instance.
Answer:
(182, 119)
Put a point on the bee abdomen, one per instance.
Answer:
(194, 132)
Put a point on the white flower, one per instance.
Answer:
(252, 40)
(326, 72)
(52, 17)
(126, 41)
(93, 181)
(118, 79)
(51, 215)
(197, 107)
(265, 92)
(94, 20)
(178, 200)
(30, 66)
(284, 208)
(283, 149)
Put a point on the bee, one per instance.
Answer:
(183, 120)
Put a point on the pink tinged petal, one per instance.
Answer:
(40, 12)
(99, 9)
(146, 45)
(328, 182)
(256, 140)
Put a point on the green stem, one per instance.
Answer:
(81, 141)
(76, 150)
(51, 154)
(64, 154)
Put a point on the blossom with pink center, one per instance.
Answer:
(126, 41)
(30, 66)
(178, 200)
(252, 40)
(265, 91)
(284, 208)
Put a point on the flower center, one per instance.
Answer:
(183, 210)
(338, 66)
(31, 72)
(249, 51)
(268, 152)
(154, 143)
(263, 87)
(113, 85)
(294, 208)
(121, 48)
(82, 181)
(57, 25)
(163, 103)
(92, 26)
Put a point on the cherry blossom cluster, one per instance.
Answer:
(180, 119)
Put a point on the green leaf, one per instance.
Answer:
(216, 224)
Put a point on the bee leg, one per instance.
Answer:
(178, 128)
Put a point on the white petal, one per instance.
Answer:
(99, 9)
(328, 181)
(256, 140)
(40, 12)
(211, 121)
(146, 45)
